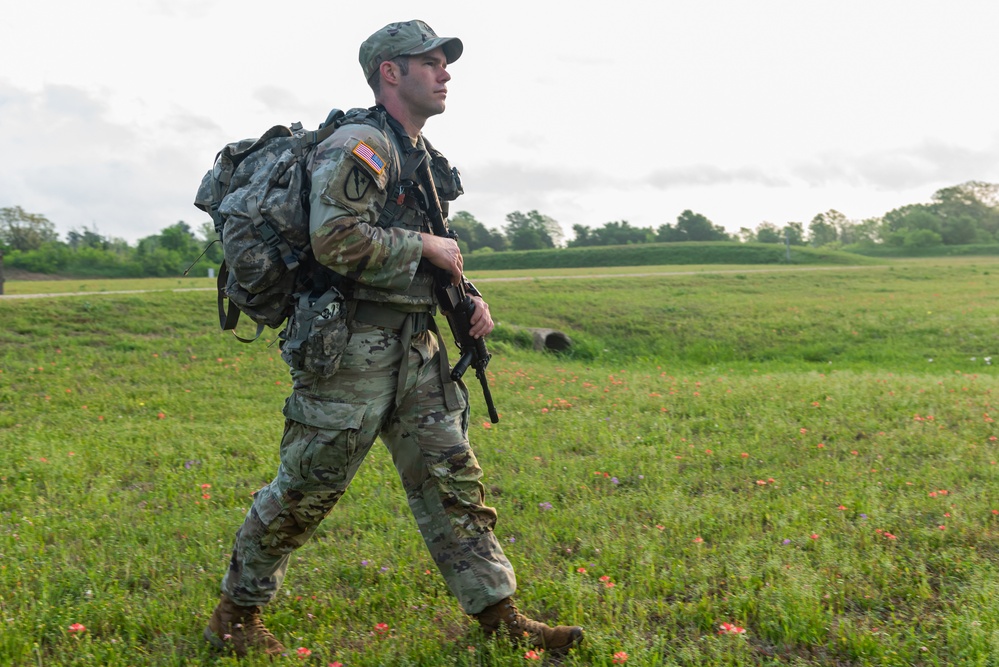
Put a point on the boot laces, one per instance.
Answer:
(254, 625)
(250, 623)
(521, 623)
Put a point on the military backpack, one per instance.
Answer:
(257, 193)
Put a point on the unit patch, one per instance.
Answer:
(356, 184)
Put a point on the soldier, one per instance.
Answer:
(369, 223)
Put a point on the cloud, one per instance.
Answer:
(709, 175)
(276, 99)
(70, 102)
(69, 124)
(928, 163)
(188, 9)
(924, 165)
(182, 121)
(507, 177)
(80, 168)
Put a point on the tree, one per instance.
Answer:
(20, 230)
(767, 232)
(170, 252)
(667, 233)
(969, 213)
(825, 228)
(86, 238)
(179, 238)
(867, 231)
(208, 238)
(474, 234)
(899, 222)
(691, 226)
(583, 236)
(962, 230)
(531, 231)
(920, 238)
(958, 215)
(612, 233)
(794, 233)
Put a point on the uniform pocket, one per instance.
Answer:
(266, 505)
(321, 442)
(317, 335)
(322, 413)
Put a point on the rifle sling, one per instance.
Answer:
(439, 227)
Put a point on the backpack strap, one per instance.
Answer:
(394, 204)
(411, 174)
(271, 237)
(329, 126)
(229, 318)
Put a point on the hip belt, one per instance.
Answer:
(385, 316)
(408, 324)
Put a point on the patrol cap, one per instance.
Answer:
(406, 38)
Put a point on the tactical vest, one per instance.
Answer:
(406, 207)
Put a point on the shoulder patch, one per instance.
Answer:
(355, 186)
(366, 155)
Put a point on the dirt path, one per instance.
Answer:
(497, 280)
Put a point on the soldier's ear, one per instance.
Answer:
(390, 72)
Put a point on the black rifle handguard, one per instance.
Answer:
(456, 304)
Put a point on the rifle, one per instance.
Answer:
(456, 304)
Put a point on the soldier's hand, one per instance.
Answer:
(481, 320)
(444, 254)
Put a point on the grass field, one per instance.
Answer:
(808, 455)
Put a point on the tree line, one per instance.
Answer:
(29, 242)
(965, 214)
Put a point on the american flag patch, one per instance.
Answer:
(369, 157)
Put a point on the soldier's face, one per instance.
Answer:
(424, 89)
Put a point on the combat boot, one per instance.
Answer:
(239, 629)
(521, 628)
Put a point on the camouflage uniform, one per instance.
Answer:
(389, 384)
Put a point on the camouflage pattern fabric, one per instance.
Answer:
(266, 183)
(404, 38)
(348, 194)
(354, 172)
(331, 425)
(260, 184)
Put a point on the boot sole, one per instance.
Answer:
(576, 640)
(225, 647)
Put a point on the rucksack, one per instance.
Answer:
(257, 193)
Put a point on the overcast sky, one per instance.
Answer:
(111, 111)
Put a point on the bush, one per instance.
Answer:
(871, 250)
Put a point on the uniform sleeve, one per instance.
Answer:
(349, 180)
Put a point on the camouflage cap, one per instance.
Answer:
(406, 38)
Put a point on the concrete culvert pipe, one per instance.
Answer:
(549, 340)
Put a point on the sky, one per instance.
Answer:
(111, 111)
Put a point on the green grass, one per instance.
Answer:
(642, 254)
(104, 285)
(678, 447)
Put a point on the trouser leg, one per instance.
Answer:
(317, 465)
(443, 484)
(331, 424)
